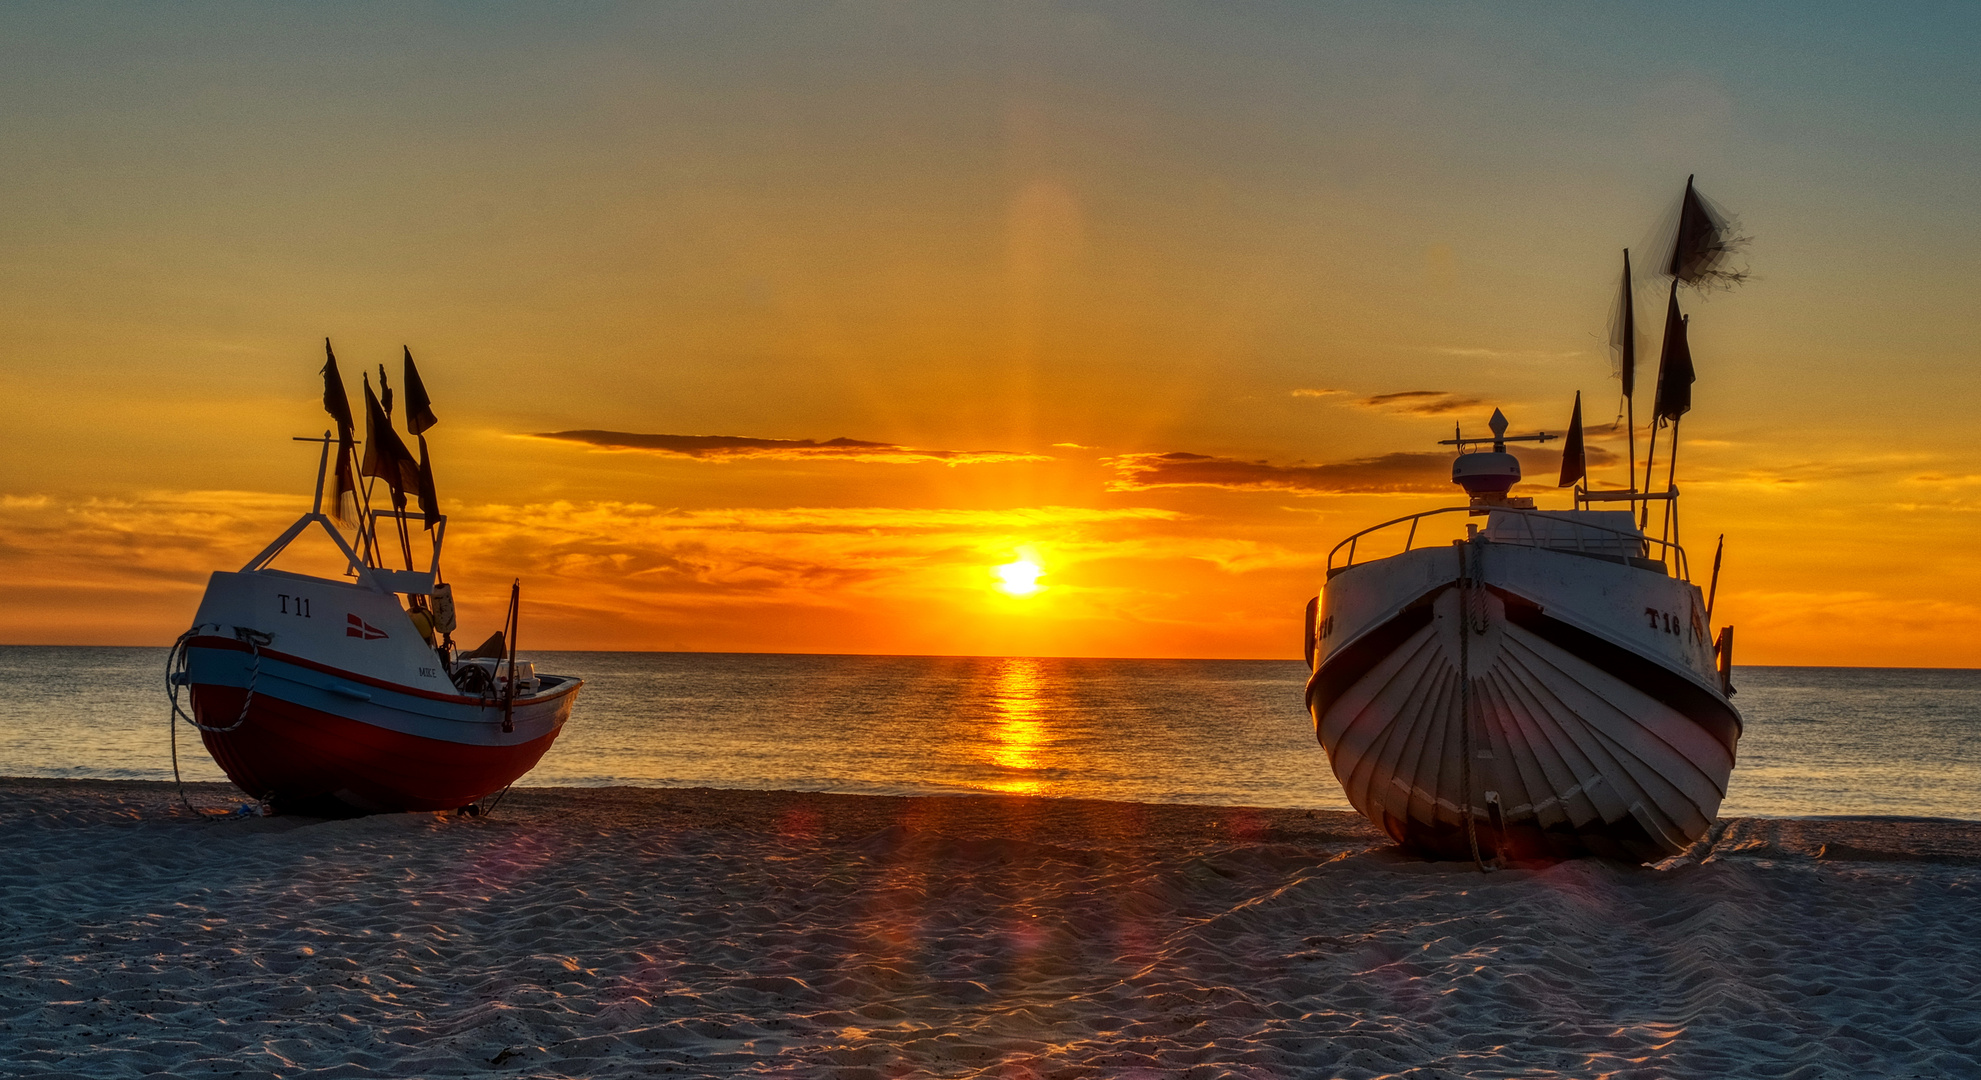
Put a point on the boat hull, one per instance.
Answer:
(315, 738)
(1530, 705)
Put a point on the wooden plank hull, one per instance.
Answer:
(1550, 707)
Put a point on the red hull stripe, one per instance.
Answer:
(291, 752)
(230, 644)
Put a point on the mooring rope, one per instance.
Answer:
(177, 663)
(485, 811)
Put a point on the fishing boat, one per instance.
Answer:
(1547, 686)
(334, 695)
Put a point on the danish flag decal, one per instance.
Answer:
(358, 628)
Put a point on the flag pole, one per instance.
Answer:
(366, 526)
(514, 627)
(1630, 420)
(1671, 478)
(1650, 456)
(1671, 472)
(398, 490)
(1630, 368)
(361, 501)
(1713, 590)
(338, 405)
(322, 466)
(405, 542)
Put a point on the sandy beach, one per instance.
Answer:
(622, 931)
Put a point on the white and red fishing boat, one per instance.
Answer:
(331, 695)
(1547, 686)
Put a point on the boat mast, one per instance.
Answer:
(398, 491)
(1650, 456)
(1629, 334)
(322, 468)
(1670, 528)
(323, 475)
(1713, 590)
(513, 624)
(367, 528)
(338, 405)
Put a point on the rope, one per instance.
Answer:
(178, 659)
(174, 666)
(485, 811)
(177, 662)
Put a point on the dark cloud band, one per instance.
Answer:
(732, 447)
(1411, 472)
(1423, 402)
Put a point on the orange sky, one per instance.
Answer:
(1029, 249)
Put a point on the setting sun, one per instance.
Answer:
(1019, 578)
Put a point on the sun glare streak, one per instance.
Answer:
(1020, 729)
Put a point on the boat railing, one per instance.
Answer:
(368, 570)
(1576, 538)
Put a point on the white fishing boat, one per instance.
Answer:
(330, 695)
(1547, 686)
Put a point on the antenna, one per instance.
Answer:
(1499, 437)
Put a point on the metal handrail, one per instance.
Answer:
(1670, 549)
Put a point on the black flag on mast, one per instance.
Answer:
(419, 407)
(1574, 460)
(384, 392)
(1675, 374)
(1702, 242)
(339, 407)
(386, 456)
(429, 498)
(1623, 336)
(419, 417)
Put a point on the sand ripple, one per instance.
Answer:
(640, 932)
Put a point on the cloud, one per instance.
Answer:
(585, 564)
(1422, 402)
(739, 447)
(171, 541)
(1389, 473)
(800, 555)
(1307, 391)
(1427, 472)
(155, 542)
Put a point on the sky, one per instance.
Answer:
(1163, 299)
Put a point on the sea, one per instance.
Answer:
(1818, 741)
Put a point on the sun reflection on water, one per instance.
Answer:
(1020, 731)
